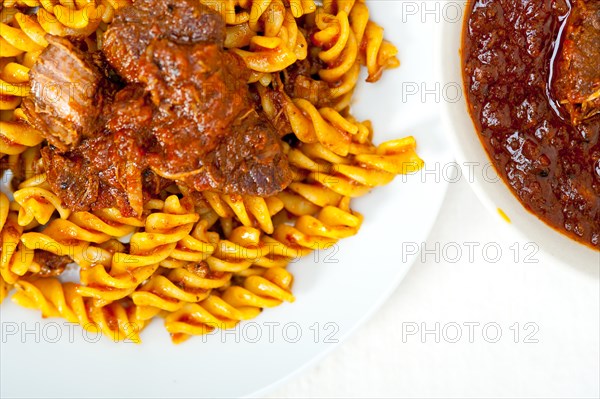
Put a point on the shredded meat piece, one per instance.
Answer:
(69, 90)
(185, 115)
(135, 28)
(299, 82)
(93, 176)
(577, 81)
(71, 176)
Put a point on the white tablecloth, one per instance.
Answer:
(548, 315)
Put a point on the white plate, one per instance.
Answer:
(471, 156)
(342, 291)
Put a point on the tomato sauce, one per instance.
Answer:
(549, 159)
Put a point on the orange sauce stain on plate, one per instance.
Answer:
(504, 215)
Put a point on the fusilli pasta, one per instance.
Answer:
(201, 260)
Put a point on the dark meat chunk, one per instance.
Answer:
(198, 91)
(201, 102)
(315, 91)
(87, 177)
(134, 28)
(71, 177)
(259, 166)
(577, 81)
(277, 100)
(186, 116)
(101, 173)
(68, 91)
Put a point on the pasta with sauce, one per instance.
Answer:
(200, 259)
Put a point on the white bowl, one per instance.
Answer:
(476, 164)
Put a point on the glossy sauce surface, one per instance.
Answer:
(551, 163)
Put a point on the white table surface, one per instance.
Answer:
(560, 301)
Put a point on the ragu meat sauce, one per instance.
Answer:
(532, 79)
(179, 111)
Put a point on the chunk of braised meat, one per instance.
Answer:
(300, 80)
(134, 28)
(202, 104)
(71, 176)
(276, 102)
(102, 173)
(198, 92)
(259, 166)
(577, 80)
(87, 178)
(68, 92)
(186, 116)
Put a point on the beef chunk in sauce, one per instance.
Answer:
(198, 92)
(186, 115)
(100, 173)
(577, 81)
(200, 98)
(68, 91)
(135, 28)
(71, 176)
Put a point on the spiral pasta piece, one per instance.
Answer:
(379, 54)
(251, 211)
(197, 246)
(81, 236)
(69, 18)
(269, 29)
(366, 168)
(237, 253)
(15, 135)
(15, 258)
(375, 53)
(170, 291)
(54, 299)
(119, 277)
(37, 202)
(235, 304)
(4, 206)
(201, 260)
(336, 140)
(340, 42)
(309, 233)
